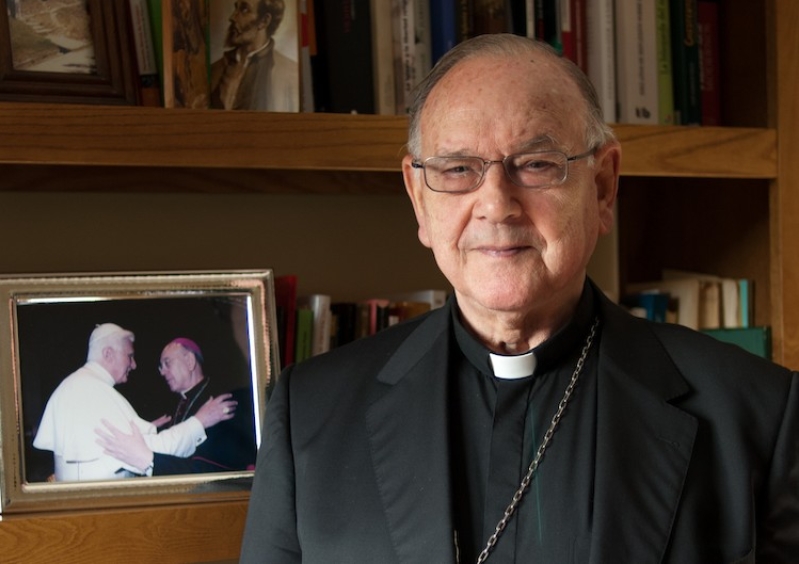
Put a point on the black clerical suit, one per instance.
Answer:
(229, 446)
(695, 452)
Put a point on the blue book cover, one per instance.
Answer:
(443, 34)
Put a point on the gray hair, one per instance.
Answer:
(597, 131)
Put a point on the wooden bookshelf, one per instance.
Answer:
(186, 189)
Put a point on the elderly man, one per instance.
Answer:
(85, 398)
(252, 74)
(230, 446)
(530, 419)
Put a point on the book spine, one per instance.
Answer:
(322, 317)
(709, 79)
(464, 11)
(685, 62)
(141, 30)
(579, 32)
(303, 342)
(404, 52)
(443, 33)
(636, 62)
(344, 30)
(422, 37)
(306, 75)
(664, 66)
(567, 30)
(600, 37)
(383, 58)
(490, 16)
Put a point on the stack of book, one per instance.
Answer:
(719, 306)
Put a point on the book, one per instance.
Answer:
(434, 297)
(303, 341)
(650, 304)
(686, 291)
(343, 74)
(710, 296)
(578, 22)
(422, 39)
(345, 315)
(319, 304)
(307, 47)
(685, 62)
(155, 10)
(636, 62)
(567, 38)
(600, 46)
(385, 95)
(374, 316)
(746, 296)
(148, 78)
(664, 66)
(756, 340)
(730, 303)
(709, 64)
(491, 16)
(286, 314)
(443, 27)
(464, 18)
(404, 48)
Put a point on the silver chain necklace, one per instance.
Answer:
(553, 425)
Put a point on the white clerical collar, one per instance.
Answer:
(513, 367)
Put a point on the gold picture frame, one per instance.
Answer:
(45, 325)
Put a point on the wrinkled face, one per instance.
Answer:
(120, 361)
(244, 25)
(176, 366)
(504, 247)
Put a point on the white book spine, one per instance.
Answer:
(383, 57)
(636, 62)
(600, 32)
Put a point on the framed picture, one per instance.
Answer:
(268, 32)
(66, 51)
(132, 389)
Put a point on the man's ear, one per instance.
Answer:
(606, 180)
(415, 187)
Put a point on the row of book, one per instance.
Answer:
(719, 306)
(651, 61)
(312, 324)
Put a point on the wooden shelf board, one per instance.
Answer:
(171, 534)
(44, 134)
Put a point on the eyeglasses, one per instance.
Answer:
(458, 175)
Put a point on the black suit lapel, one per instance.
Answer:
(644, 444)
(408, 428)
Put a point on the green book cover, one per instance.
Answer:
(685, 62)
(756, 340)
(665, 70)
(303, 342)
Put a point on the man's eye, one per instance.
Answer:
(458, 168)
(534, 165)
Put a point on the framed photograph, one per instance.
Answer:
(268, 32)
(133, 388)
(66, 51)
